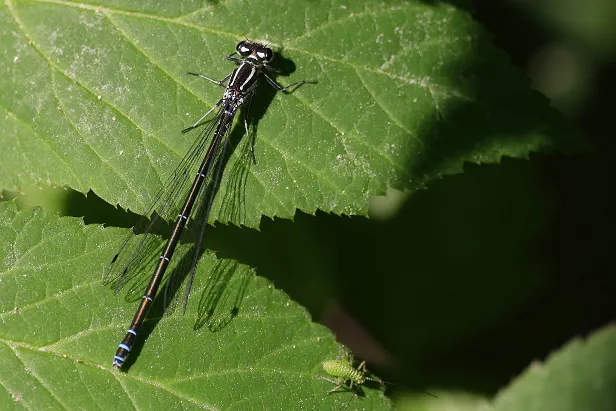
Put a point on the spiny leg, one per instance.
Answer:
(362, 367)
(235, 59)
(221, 83)
(278, 87)
(344, 354)
(338, 382)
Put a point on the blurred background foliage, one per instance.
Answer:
(461, 286)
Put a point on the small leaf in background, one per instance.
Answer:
(443, 401)
(580, 376)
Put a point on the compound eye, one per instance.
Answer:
(265, 54)
(243, 48)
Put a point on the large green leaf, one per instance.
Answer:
(252, 348)
(94, 95)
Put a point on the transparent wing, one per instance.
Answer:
(140, 250)
(177, 289)
(233, 205)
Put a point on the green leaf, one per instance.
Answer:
(94, 96)
(59, 328)
(581, 376)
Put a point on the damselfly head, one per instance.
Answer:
(265, 54)
(246, 48)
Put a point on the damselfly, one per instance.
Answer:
(181, 200)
